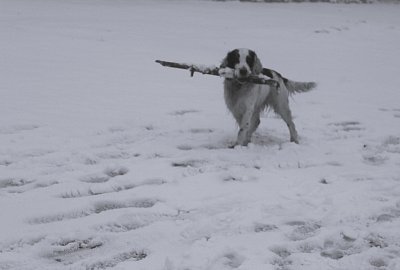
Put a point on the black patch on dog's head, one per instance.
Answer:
(232, 58)
(250, 59)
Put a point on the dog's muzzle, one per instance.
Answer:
(243, 72)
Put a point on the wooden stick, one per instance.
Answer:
(216, 72)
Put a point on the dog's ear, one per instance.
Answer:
(224, 62)
(257, 66)
(230, 60)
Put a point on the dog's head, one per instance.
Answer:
(244, 62)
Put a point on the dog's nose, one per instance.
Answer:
(243, 71)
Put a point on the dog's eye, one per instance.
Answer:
(250, 59)
(232, 58)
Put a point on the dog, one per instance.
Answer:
(247, 100)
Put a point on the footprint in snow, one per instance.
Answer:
(347, 126)
(128, 223)
(396, 112)
(105, 189)
(68, 251)
(95, 178)
(14, 182)
(100, 207)
(184, 147)
(282, 261)
(17, 129)
(71, 251)
(114, 154)
(231, 178)
(97, 208)
(118, 227)
(133, 255)
(281, 251)
(201, 130)
(391, 144)
(231, 259)
(380, 153)
(116, 129)
(389, 214)
(341, 245)
(116, 171)
(5, 162)
(332, 28)
(340, 28)
(183, 112)
(21, 243)
(345, 129)
(376, 241)
(191, 163)
(321, 31)
(346, 244)
(105, 176)
(21, 185)
(94, 191)
(380, 263)
(217, 146)
(374, 159)
(303, 230)
(260, 227)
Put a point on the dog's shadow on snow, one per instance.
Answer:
(258, 139)
(267, 139)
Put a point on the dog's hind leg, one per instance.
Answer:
(255, 122)
(282, 108)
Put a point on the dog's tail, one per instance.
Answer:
(292, 86)
(299, 87)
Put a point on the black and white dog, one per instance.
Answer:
(247, 100)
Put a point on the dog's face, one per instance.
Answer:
(244, 62)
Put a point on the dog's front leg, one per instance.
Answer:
(245, 133)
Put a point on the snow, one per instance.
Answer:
(110, 161)
(228, 73)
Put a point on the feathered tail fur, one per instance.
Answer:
(292, 86)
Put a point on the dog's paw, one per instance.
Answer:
(295, 140)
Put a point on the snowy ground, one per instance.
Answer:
(108, 160)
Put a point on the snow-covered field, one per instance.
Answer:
(110, 161)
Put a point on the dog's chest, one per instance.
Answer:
(242, 96)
